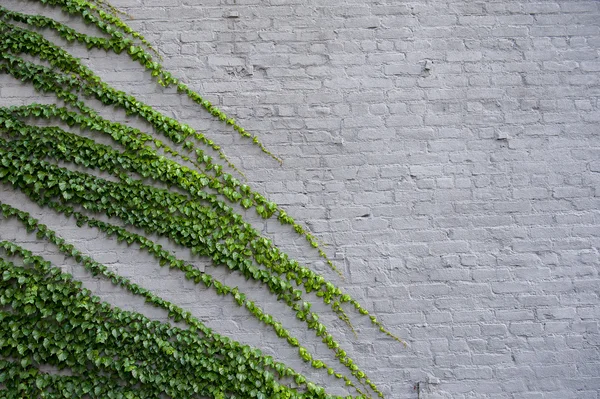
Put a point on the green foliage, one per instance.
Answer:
(49, 319)
(64, 326)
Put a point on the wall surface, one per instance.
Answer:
(447, 151)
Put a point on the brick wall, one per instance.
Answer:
(447, 151)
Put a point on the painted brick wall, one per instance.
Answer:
(447, 151)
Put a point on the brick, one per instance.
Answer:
(525, 329)
(470, 56)
(541, 8)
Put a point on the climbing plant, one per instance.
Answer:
(47, 318)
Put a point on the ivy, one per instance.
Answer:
(78, 331)
(48, 318)
(177, 132)
(151, 218)
(164, 258)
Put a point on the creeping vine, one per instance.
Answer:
(176, 187)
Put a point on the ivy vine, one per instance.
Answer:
(47, 318)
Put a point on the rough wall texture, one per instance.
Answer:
(449, 153)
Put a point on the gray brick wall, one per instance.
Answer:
(447, 151)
